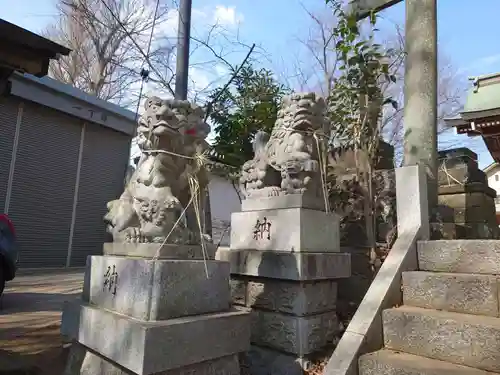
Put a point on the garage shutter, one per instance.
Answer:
(9, 107)
(104, 161)
(44, 180)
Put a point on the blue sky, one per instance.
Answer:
(468, 30)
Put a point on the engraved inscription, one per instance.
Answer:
(262, 229)
(110, 279)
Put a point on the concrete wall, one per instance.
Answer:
(223, 202)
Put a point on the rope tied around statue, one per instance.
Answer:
(292, 158)
(466, 162)
(168, 179)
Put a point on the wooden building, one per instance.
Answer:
(481, 113)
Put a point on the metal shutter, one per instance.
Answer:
(9, 108)
(102, 174)
(44, 180)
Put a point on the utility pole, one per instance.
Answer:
(183, 38)
(181, 86)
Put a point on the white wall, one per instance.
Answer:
(494, 183)
(223, 201)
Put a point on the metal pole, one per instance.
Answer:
(183, 34)
(420, 92)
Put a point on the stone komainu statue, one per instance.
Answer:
(286, 162)
(170, 135)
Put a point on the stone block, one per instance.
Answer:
(473, 187)
(460, 174)
(468, 207)
(464, 339)
(288, 266)
(458, 292)
(152, 347)
(290, 297)
(265, 361)
(412, 200)
(293, 334)
(459, 166)
(161, 289)
(462, 231)
(460, 256)
(167, 251)
(457, 156)
(388, 362)
(477, 230)
(82, 361)
(291, 230)
(283, 202)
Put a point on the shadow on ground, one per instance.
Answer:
(30, 317)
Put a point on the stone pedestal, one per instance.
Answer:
(466, 203)
(166, 316)
(285, 260)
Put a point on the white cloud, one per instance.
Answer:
(227, 16)
(169, 27)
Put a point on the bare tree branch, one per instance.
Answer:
(316, 70)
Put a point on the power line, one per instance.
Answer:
(137, 46)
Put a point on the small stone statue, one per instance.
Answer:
(286, 162)
(171, 137)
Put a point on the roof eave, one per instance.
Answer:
(455, 121)
(42, 46)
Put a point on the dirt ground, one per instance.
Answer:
(30, 315)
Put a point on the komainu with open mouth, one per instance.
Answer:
(171, 137)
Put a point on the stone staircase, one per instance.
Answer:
(450, 320)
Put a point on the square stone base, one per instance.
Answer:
(289, 297)
(299, 335)
(290, 230)
(152, 347)
(158, 289)
(286, 265)
(82, 361)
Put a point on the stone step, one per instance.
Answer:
(457, 292)
(388, 362)
(463, 339)
(462, 256)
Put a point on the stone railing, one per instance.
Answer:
(364, 333)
